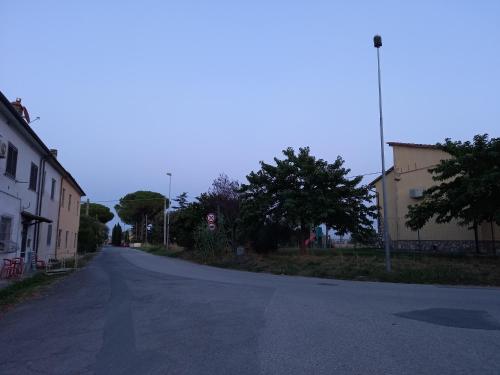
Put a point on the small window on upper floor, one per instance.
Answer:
(11, 165)
(63, 196)
(33, 177)
(49, 234)
(69, 203)
(53, 189)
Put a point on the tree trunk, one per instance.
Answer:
(142, 229)
(476, 239)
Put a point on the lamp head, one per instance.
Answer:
(377, 41)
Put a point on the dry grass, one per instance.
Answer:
(367, 264)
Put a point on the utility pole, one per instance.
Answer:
(168, 209)
(165, 222)
(377, 42)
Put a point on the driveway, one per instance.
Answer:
(129, 312)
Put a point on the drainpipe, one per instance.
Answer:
(39, 200)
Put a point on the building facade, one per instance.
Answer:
(406, 182)
(69, 218)
(30, 183)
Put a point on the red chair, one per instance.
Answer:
(8, 269)
(40, 264)
(18, 266)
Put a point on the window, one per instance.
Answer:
(44, 178)
(58, 243)
(63, 197)
(53, 189)
(69, 203)
(66, 242)
(5, 228)
(33, 177)
(49, 234)
(10, 169)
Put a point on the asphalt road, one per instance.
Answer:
(129, 312)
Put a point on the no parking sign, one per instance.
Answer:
(211, 218)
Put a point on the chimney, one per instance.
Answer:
(21, 109)
(53, 151)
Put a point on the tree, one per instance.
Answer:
(182, 201)
(100, 212)
(116, 235)
(140, 208)
(468, 188)
(91, 234)
(223, 198)
(301, 192)
(183, 223)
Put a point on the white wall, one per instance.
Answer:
(50, 210)
(15, 195)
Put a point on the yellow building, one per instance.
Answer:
(406, 182)
(69, 217)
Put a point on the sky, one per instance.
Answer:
(130, 90)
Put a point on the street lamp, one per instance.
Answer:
(166, 231)
(377, 43)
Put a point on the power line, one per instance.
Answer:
(354, 176)
(130, 200)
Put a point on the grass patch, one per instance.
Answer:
(172, 252)
(23, 289)
(358, 264)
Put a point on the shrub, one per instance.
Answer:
(210, 244)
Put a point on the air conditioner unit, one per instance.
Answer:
(3, 150)
(416, 193)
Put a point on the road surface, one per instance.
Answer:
(129, 312)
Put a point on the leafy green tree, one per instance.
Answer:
(181, 200)
(223, 198)
(91, 234)
(116, 235)
(301, 192)
(183, 223)
(100, 212)
(126, 237)
(467, 189)
(140, 208)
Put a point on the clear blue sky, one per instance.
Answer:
(127, 91)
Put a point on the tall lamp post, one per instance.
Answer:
(377, 42)
(166, 238)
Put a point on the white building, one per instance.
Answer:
(30, 185)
